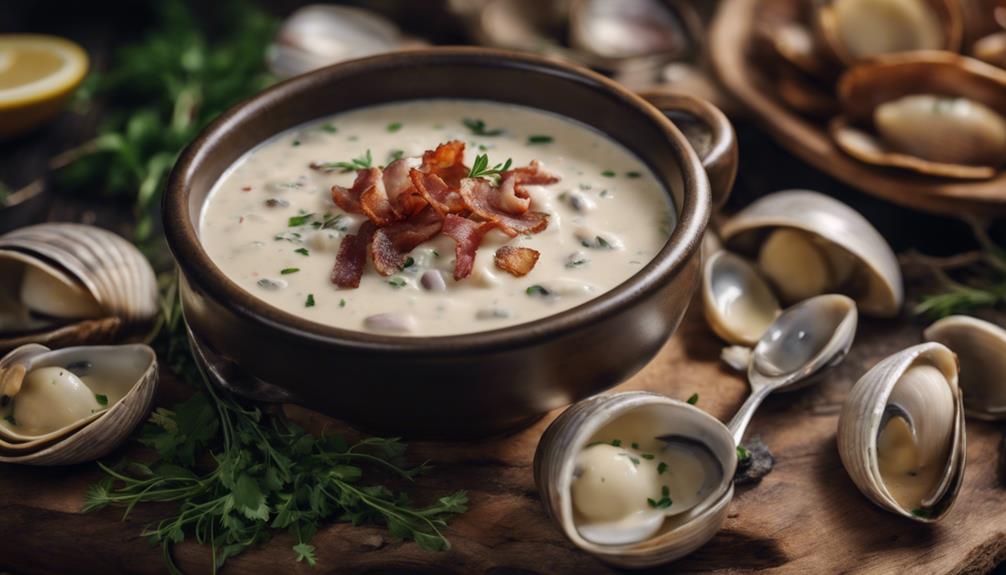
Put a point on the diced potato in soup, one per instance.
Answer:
(271, 224)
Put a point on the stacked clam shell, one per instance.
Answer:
(70, 284)
(901, 433)
(639, 42)
(981, 351)
(74, 404)
(788, 247)
(625, 521)
(890, 75)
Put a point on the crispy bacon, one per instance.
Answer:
(467, 235)
(448, 162)
(482, 198)
(392, 243)
(516, 261)
(437, 193)
(513, 198)
(349, 198)
(352, 257)
(401, 193)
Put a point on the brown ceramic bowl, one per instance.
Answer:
(471, 384)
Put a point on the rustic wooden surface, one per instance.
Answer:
(745, 79)
(806, 516)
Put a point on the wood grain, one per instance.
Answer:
(730, 50)
(806, 516)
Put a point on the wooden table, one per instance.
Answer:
(806, 516)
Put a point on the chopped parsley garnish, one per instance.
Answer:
(310, 300)
(661, 468)
(481, 169)
(395, 155)
(327, 222)
(664, 502)
(302, 251)
(342, 303)
(693, 399)
(296, 221)
(634, 445)
(409, 262)
(397, 282)
(539, 139)
(633, 175)
(742, 453)
(647, 455)
(295, 143)
(608, 173)
(329, 127)
(542, 291)
(478, 127)
(292, 237)
(616, 442)
(288, 271)
(362, 163)
(394, 127)
(102, 399)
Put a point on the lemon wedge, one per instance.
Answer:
(37, 76)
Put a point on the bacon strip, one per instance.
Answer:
(448, 162)
(482, 198)
(467, 235)
(352, 257)
(516, 261)
(392, 243)
(349, 198)
(401, 193)
(437, 193)
(513, 198)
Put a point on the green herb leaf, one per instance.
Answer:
(364, 162)
(633, 175)
(395, 155)
(296, 221)
(329, 127)
(742, 453)
(102, 399)
(480, 168)
(305, 553)
(616, 442)
(397, 282)
(342, 303)
(608, 173)
(478, 127)
(693, 399)
(302, 251)
(394, 127)
(634, 445)
(409, 262)
(661, 468)
(310, 300)
(539, 290)
(539, 139)
(648, 456)
(288, 271)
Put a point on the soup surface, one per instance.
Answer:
(271, 224)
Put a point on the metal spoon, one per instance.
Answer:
(805, 340)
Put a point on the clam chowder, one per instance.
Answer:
(435, 217)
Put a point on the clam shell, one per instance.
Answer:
(610, 32)
(947, 13)
(865, 87)
(738, 303)
(991, 49)
(878, 292)
(981, 349)
(554, 462)
(96, 436)
(860, 420)
(113, 270)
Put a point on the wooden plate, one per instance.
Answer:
(730, 46)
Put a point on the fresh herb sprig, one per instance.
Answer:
(480, 168)
(364, 162)
(267, 474)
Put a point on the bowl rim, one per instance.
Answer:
(197, 266)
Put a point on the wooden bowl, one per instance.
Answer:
(731, 45)
(471, 384)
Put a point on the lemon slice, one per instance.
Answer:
(37, 76)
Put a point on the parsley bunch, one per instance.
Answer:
(266, 474)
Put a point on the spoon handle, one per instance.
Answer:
(739, 424)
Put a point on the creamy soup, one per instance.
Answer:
(272, 227)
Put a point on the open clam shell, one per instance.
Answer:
(653, 415)
(853, 257)
(614, 32)
(933, 113)
(125, 375)
(738, 302)
(68, 284)
(857, 30)
(917, 470)
(981, 348)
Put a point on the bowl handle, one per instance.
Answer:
(708, 131)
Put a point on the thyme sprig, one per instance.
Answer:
(480, 168)
(364, 162)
